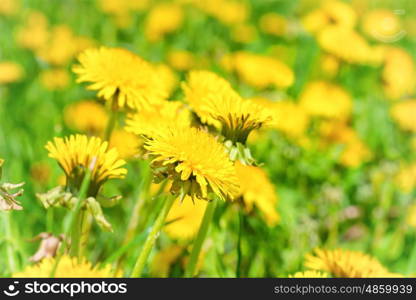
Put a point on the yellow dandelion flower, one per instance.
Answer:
(120, 10)
(289, 118)
(200, 87)
(340, 13)
(34, 34)
(229, 12)
(382, 25)
(164, 259)
(355, 151)
(68, 267)
(184, 218)
(411, 216)
(168, 78)
(238, 116)
(345, 43)
(330, 65)
(346, 264)
(274, 24)
(54, 79)
(257, 190)
(122, 7)
(126, 143)
(399, 73)
(405, 179)
(77, 152)
(61, 46)
(404, 114)
(315, 20)
(163, 19)
(9, 7)
(332, 12)
(309, 274)
(10, 72)
(147, 121)
(86, 116)
(181, 60)
(325, 99)
(118, 73)
(261, 71)
(195, 162)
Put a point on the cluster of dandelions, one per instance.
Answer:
(196, 149)
(197, 152)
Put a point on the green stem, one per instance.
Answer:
(151, 238)
(11, 259)
(200, 238)
(110, 125)
(49, 220)
(239, 246)
(85, 232)
(76, 233)
(73, 217)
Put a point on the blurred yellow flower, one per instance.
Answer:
(355, 151)
(61, 46)
(86, 116)
(325, 99)
(9, 7)
(76, 153)
(200, 87)
(126, 143)
(120, 76)
(273, 23)
(405, 179)
(229, 12)
(34, 34)
(411, 216)
(195, 162)
(404, 113)
(164, 259)
(399, 73)
(309, 274)
(147, 121)
(10, 72)
(329, 65)
(181, 60)
(184, 218)
(55, 79)
(121, 7)
(68, 267)
(168, 78)
(332, 12)
(260, 71)
(346, 264)
(290, 118)
(258, 191)
(345, 43)
(243, 33)
(163, 19)
(382, 25)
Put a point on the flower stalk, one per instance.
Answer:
(191, 268)
(151, 238)
(73, 217)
